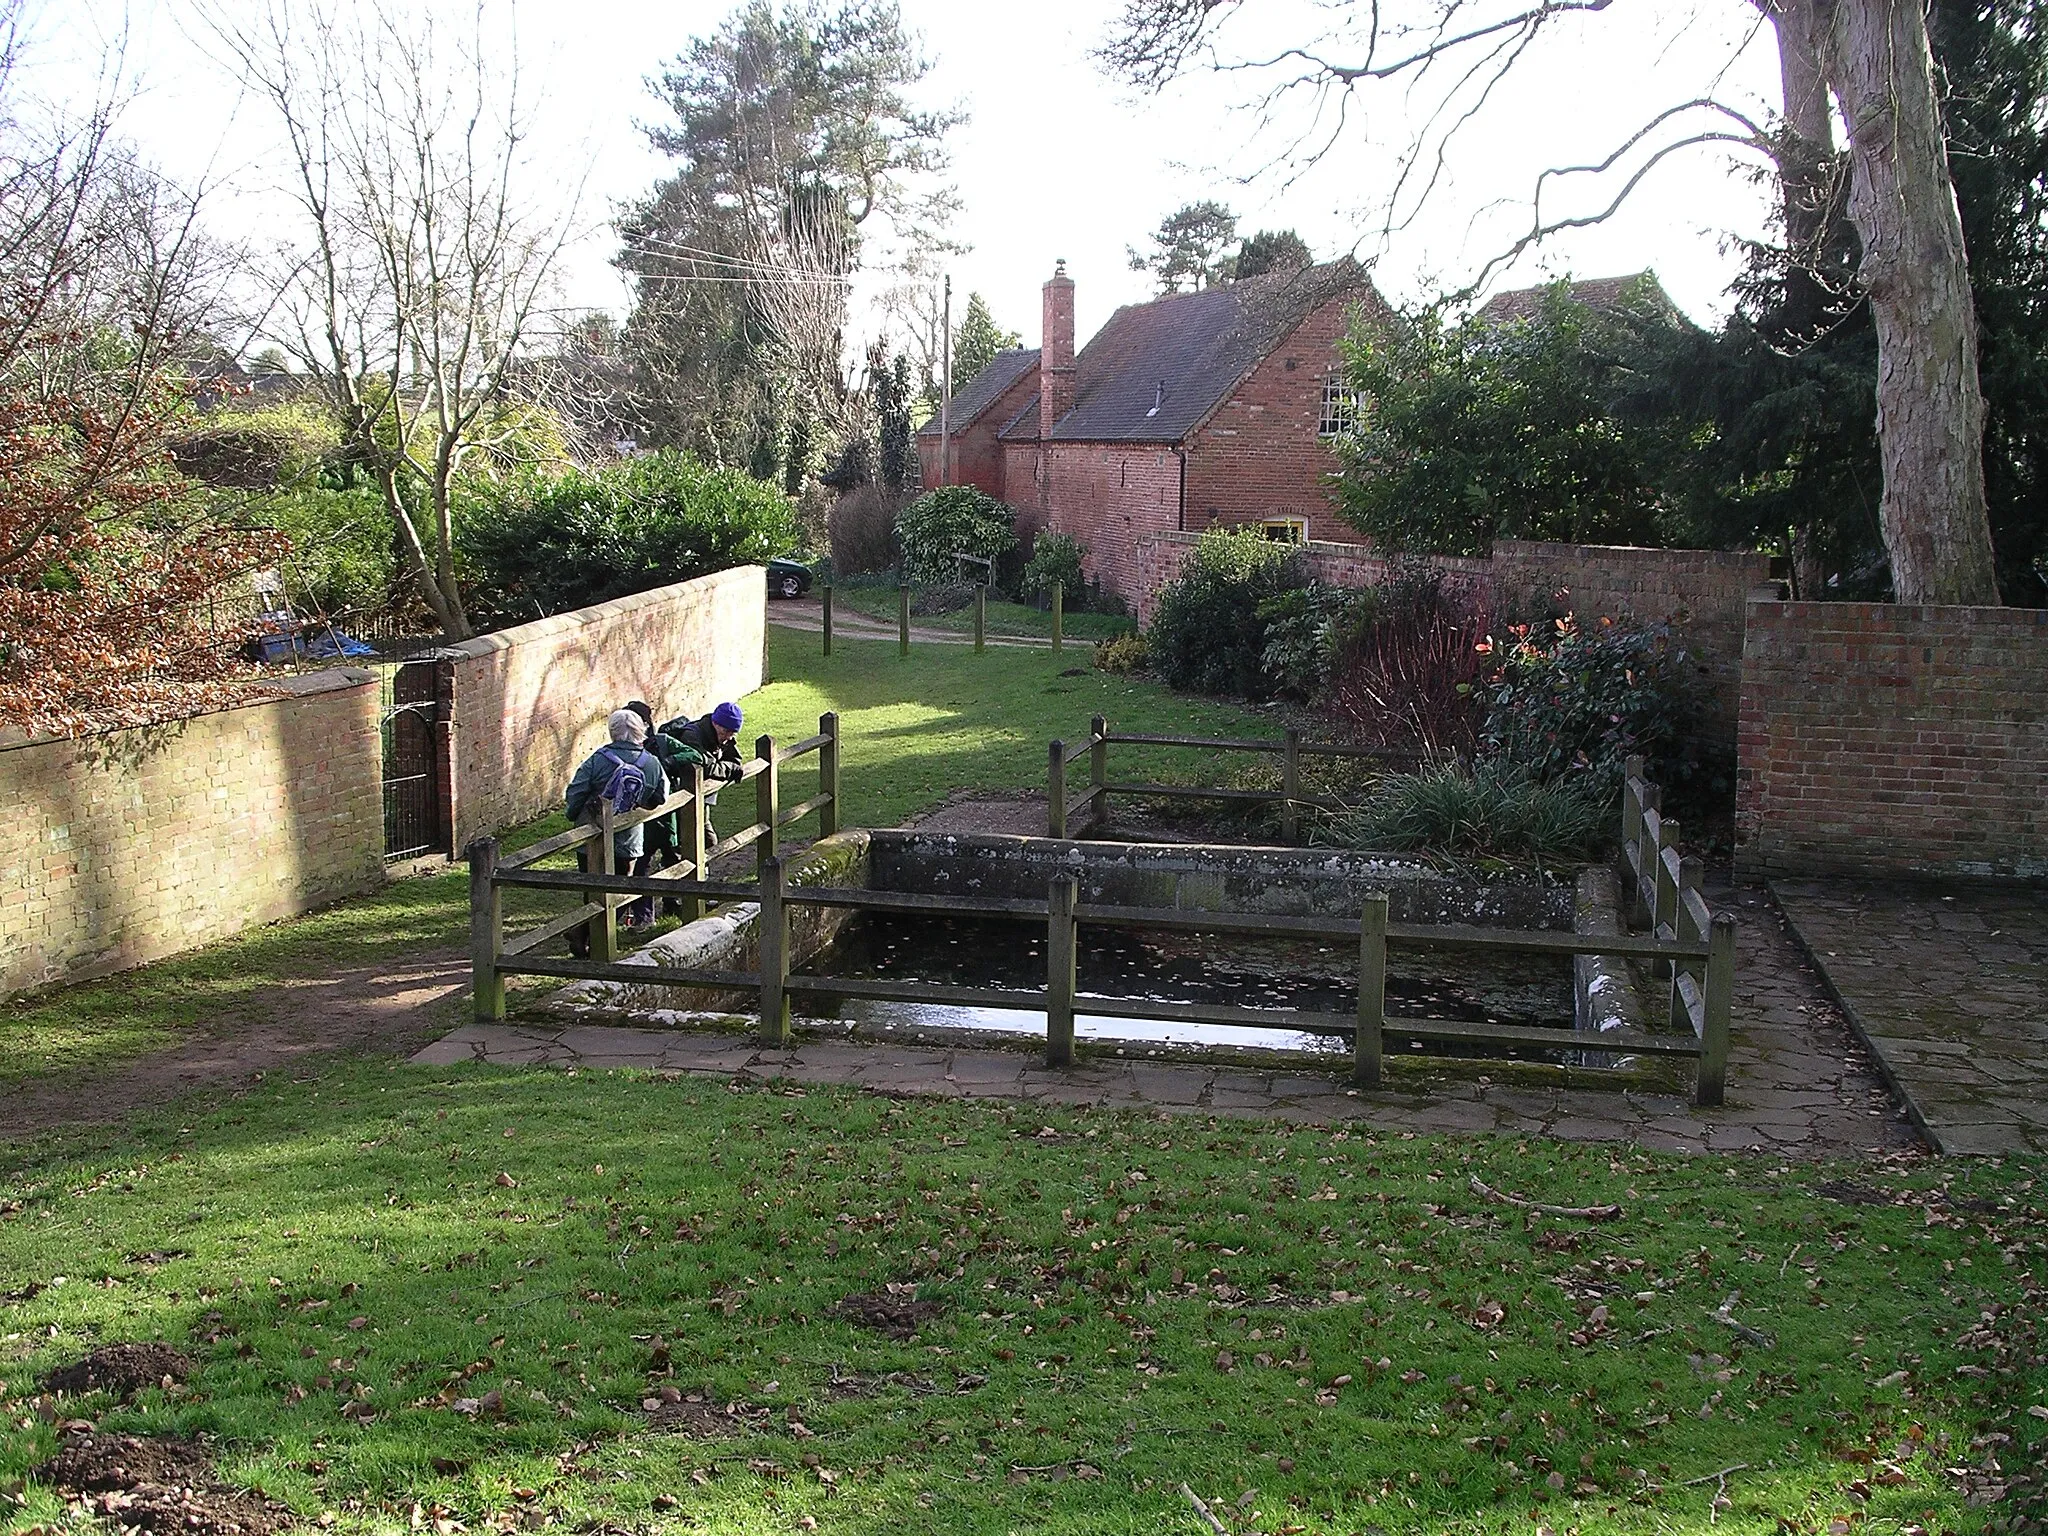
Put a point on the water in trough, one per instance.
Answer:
(1283, 975)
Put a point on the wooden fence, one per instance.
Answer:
(1064, 811)
(903, 592)
(495, 954)
(1706, 1007)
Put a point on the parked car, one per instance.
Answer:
(788, 578)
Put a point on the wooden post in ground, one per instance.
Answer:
(828, 773)
(1059, 605)
(774, 951)
(1061, 897)
(1631, 806)
(1645, 850)
(604, 928)
(1098, 774)
(1686, 929)
(486, 929)
(1372, 991)
(696, 846)
(767, 803)
(825, 595)
(1290, 788)
(1664, 911)
(1720, 1000)
(980, 616)
(903, 620)
(1056, 790)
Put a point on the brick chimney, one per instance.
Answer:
(1056, 351)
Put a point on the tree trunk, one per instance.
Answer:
(447, 613)
(1930, 409)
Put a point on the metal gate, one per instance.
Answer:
(412, 776)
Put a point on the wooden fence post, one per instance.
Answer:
(1631, 806)
(903, 620)
(1059, 603)
(980, 616)
(1665, 911)
(1098, 773)
(1720, 999)
(486, 929)
(774, 951)
(825, 594)
(1644, 855)
(767, 803)
(1060, 946)
(1056, 790)
(604, 928)
(1686, 930)
(828, 773)
(696, 847)
(1290, 787)
(1372, 991)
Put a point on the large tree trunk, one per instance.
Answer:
(1930, 410)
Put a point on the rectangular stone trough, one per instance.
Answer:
(1594, 994)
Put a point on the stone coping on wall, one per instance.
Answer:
(577, 618)
(267, 690)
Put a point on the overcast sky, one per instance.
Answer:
(1056, 160)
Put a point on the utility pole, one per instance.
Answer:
(946, 386)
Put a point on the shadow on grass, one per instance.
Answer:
(444, 1286)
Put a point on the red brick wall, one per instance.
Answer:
(1258, 455)
(977, 456)
(1880, 739)
(528, 704)
(1112, 497)
(129, 846)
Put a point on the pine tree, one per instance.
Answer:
(977, 340)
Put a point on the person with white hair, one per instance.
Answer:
(624, 773)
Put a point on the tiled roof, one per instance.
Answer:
(1157, 369)
(1605, 293)
(984, 389)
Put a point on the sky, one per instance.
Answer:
(1055, 161)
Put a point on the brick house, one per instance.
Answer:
(1193, 411)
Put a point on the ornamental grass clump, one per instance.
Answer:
(1490, 811)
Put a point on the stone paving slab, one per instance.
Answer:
(1948, 987)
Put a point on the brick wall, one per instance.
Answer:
(977, 456)
(1706, 591)
(1112, 496)
(129, 846)
(1258, 455)
(526, 705)
(1159, 558)
(1882, 739)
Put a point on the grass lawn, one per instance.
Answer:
(420, 1296)
(1003, 618)
(914, 732)
(945, 719)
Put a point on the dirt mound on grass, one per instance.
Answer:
(894, 1310)
(701, 1415)
(122, 1369)
(159, 1484)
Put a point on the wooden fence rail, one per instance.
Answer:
(1062, 809)
(605, 890)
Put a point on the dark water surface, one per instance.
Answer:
(1284, 975)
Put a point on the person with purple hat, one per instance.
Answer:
(716, 736)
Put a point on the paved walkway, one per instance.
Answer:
(1798, 1085)
(807, 613)
(1948, 986)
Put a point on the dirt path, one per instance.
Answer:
(807, 613)
(387, 1010)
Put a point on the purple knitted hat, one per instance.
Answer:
(727, 715)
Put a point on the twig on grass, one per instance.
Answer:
(1720, 1481)
(1204, 1511)
(1725, 1316)
(1581, 1212)
(1789, 1258)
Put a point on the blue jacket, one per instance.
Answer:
(586, 792)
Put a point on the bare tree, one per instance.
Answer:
(420, 263)
(1871, 55)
